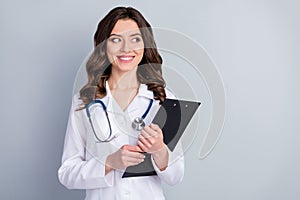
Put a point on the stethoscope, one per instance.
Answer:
(138, 123)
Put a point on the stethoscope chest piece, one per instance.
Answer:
(138, 124)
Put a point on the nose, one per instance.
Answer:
(126, 47)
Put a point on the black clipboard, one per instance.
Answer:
(172, 117)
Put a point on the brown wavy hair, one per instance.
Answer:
(98, 66)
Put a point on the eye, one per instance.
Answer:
(115, 39)
(136, 39)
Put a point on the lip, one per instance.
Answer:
(125, 59)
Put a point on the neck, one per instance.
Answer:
(123, 80)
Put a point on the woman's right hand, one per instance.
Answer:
(127, 155)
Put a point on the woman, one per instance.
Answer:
(125, 77)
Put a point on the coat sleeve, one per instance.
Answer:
(174, 172)
(76, 172)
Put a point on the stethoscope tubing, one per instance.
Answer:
(97, 101)
(106, 114)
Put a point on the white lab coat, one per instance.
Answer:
(83, 160)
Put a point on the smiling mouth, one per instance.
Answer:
(125, 59)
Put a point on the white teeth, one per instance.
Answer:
(126, 58)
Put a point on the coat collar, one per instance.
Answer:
(144, 92)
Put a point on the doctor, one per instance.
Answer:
(125, 77)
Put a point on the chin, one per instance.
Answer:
(126, 68)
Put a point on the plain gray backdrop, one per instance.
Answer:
(255, 45)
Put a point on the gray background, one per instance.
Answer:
(255, 45)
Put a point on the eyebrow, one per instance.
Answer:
(134, 34)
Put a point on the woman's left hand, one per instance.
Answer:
(151, 139)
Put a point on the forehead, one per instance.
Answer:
(125, 26)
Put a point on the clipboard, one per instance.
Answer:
(172, 117)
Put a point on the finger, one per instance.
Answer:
(146, 143)
(150, 131)
(147, 140)
(153, 132)
(131, 148)
(135, 149)
(134, 160)
(155, 127)
(131, 154)
(150, 137)
(139, 149)
(144, 134)
(128, 164)
(131, 162)
(124, 147)
(142, 146)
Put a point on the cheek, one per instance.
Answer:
(111, 52)
(113, 48)
(139, 52)
(110, 57)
